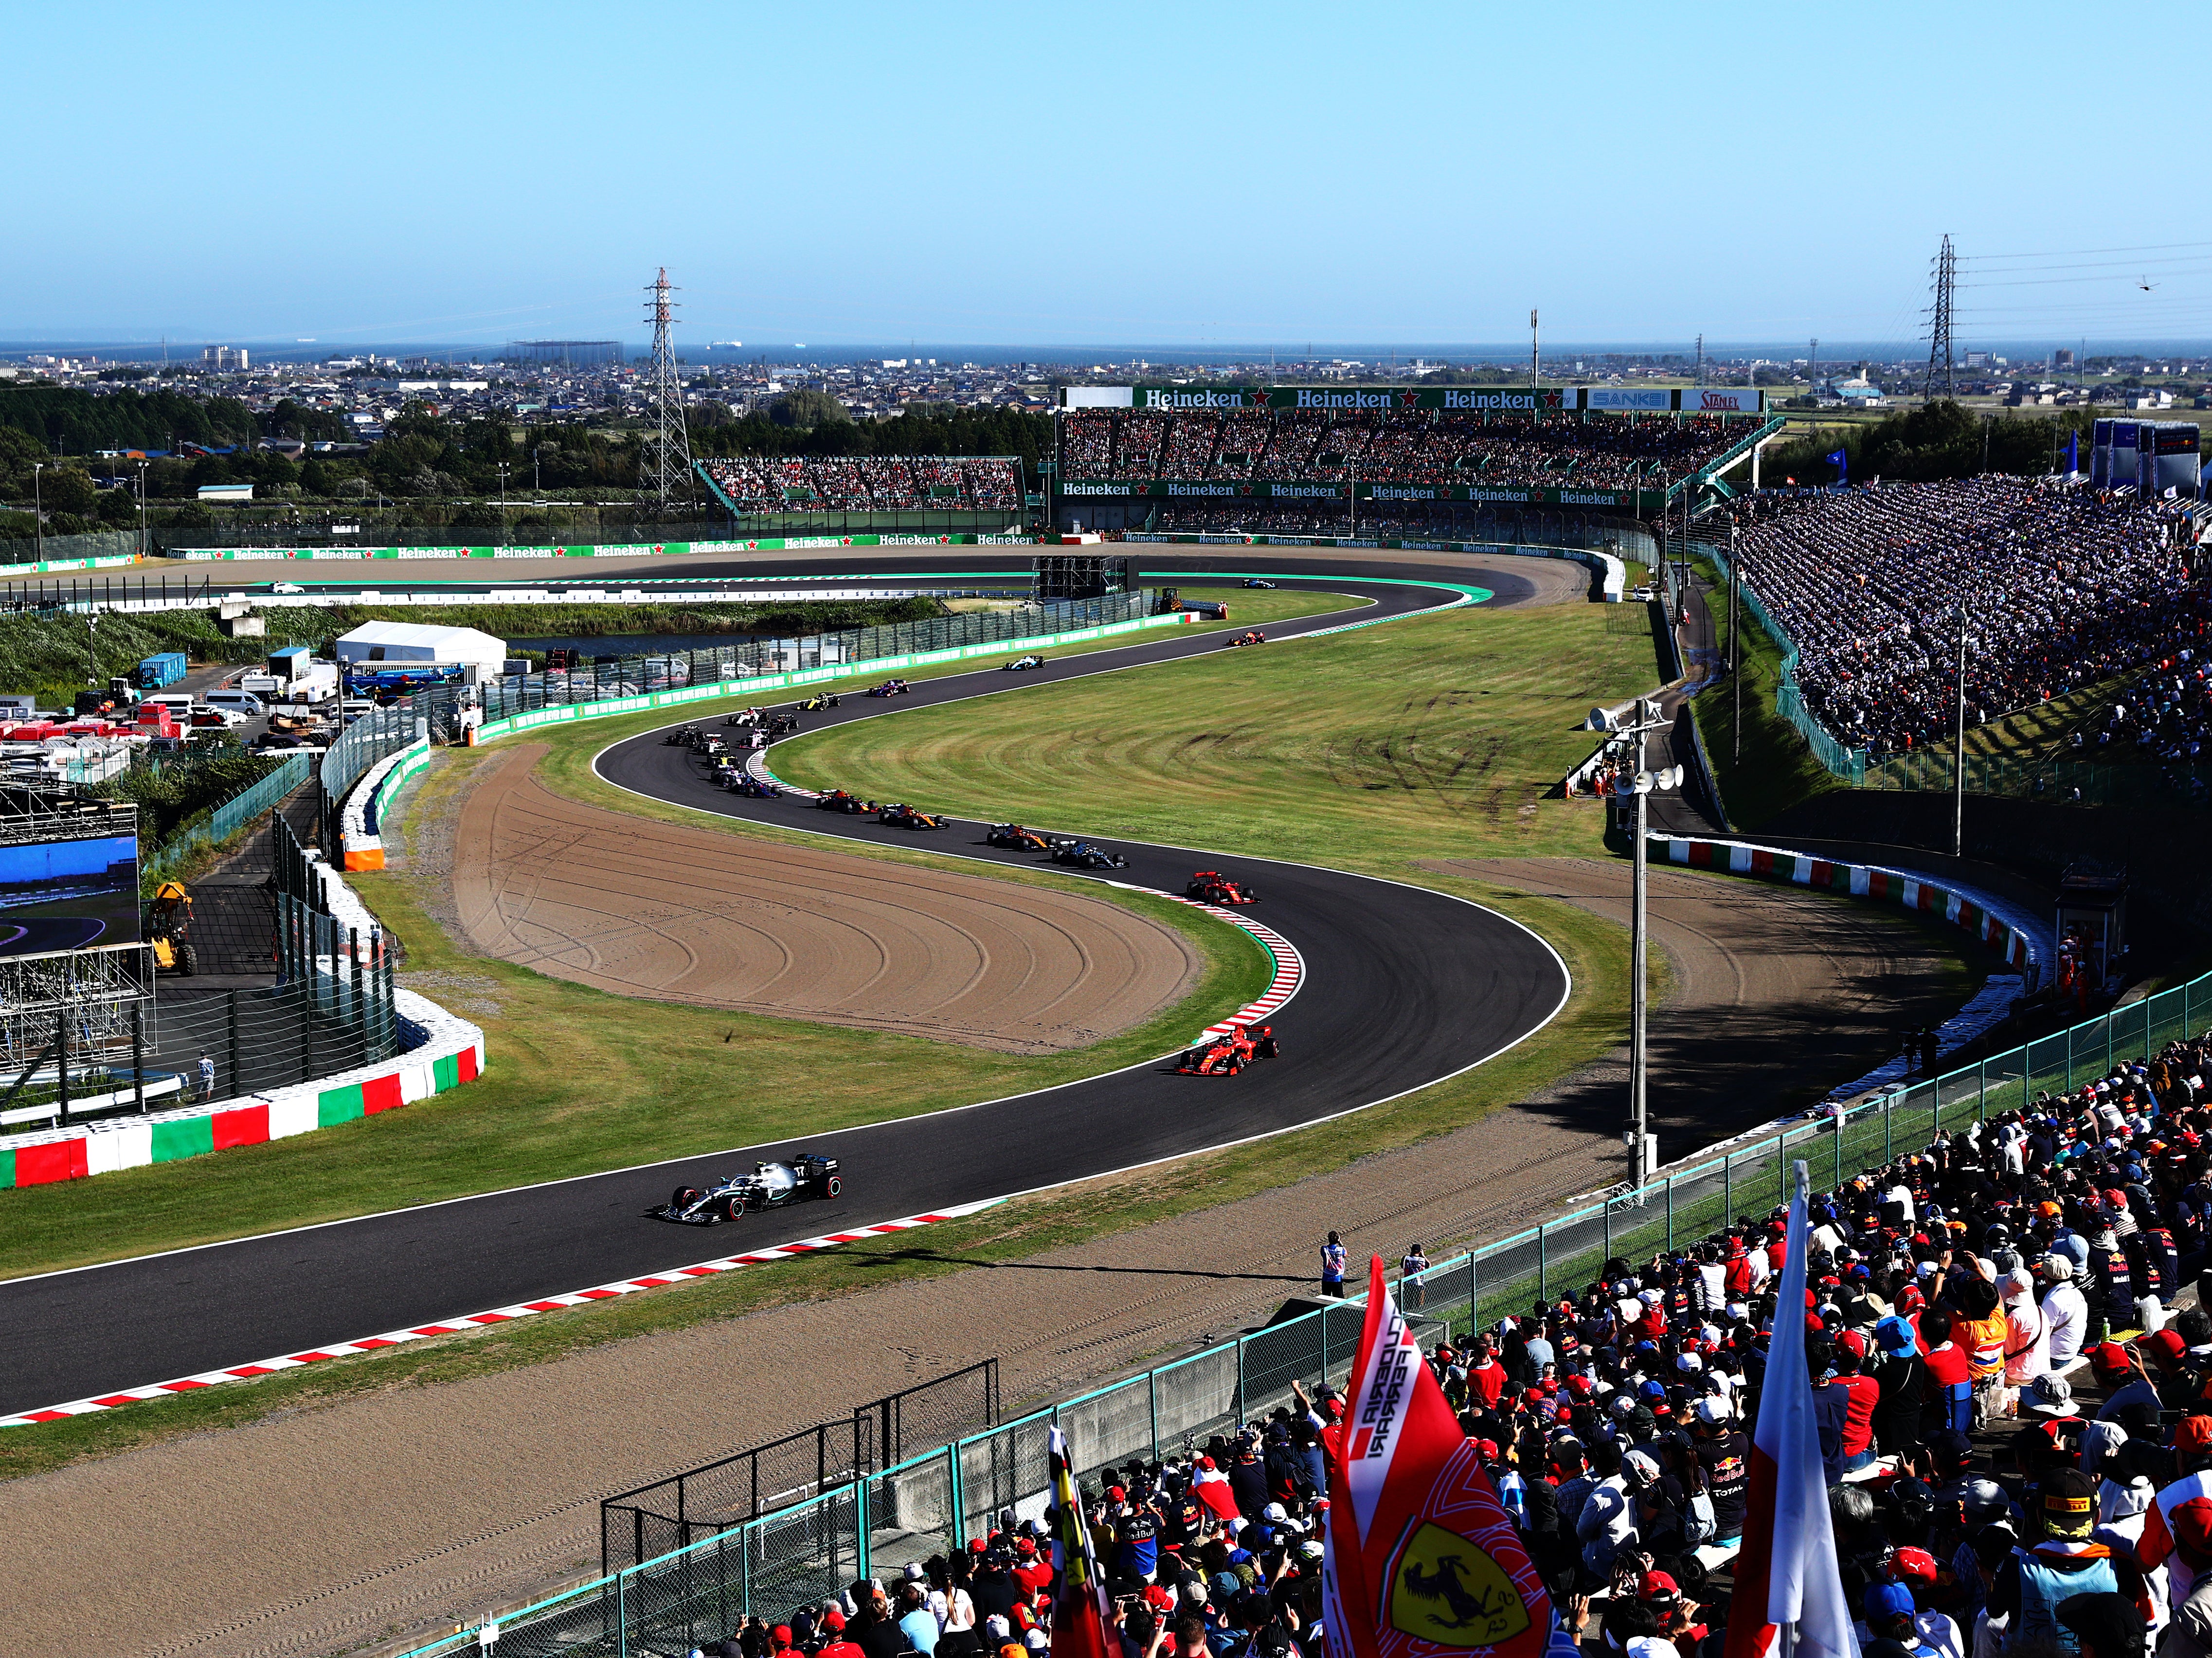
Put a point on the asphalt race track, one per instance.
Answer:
(1404, 986)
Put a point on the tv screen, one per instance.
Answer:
(68, 895)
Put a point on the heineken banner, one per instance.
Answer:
(1465, 399)
(1226, 490)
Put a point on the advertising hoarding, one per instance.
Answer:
(68, 895)
(1467, 399)
(1234, 489)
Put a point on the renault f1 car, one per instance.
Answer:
(770, 1185)
(817, 702)
(906, 817)
(892, 687)
(1249, 636)
(1015, 836)
(1021, 665)
(1210, 886)
(1081, 854)
(1230, 1053)
(839, 800)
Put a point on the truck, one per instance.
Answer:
(292, 676)
(164, 668)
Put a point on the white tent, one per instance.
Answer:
(403, 642)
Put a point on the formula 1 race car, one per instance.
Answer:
(1254, 581)
(770, 1185)
(1210, 886)
(892, 687)
(1227, 1054)
(710, 744)
(1015, 836)
(684, 736)
(817, 702)
(1249, 636)
(739, 781)
(1021, 665)
(906, 817)
(1081, 854)
(838, 800)
(745, 717)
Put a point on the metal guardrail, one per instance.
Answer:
(938, 1501)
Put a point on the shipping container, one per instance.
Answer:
(165, 669)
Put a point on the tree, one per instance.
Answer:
(317, 478)
(119, 508)
(68, 490)
(808, 410)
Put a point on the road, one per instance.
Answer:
(1404, 986)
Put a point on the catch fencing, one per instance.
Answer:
(229, 816)
(2032, 777)
(1841, 761)
(672, 1514)
(938, 1501)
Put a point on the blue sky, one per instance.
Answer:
(1235, 175)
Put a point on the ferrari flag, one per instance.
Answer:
(1787, 1573)
(1422, 1560)
(1078, 1614)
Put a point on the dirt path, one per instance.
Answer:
(642, 909)
(362, 1525)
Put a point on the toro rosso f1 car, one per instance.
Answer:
(770, 1185)
(739, 781)
(906, 817)
(890, 687)
(1014, 836)
(1083, 855)
(1210, 886)
(1227, 1054)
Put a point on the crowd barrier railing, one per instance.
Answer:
(939, 1500)
(1840, 759)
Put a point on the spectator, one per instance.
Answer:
(1333, 1257)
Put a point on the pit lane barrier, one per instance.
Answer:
(1612, 573)
(814, 1547)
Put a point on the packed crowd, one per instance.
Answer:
(1396, 447)
(2166, 715)
(1983, 1507)
(2062, 587)
(868, 484)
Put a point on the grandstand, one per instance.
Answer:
(1262, 458)
(870, 491)
(2064, 588)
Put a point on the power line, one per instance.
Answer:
(2073, 252)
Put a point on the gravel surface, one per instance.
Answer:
(676, 913)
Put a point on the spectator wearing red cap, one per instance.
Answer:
(836, 1646)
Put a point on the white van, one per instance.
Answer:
(179, 703)
(242, 702)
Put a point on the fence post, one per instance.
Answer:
(1152, 1412)
(355, 1013)
(1843, 1117)
(1886, 1153)
(1670, 1212)
(237, 1082)
(138, 1056)
(1781, 1171)
(1728, 1190)
(1473, 1294)
(1605, 1213)
(61, 1050)
(1981, 1092)
(307, 1026)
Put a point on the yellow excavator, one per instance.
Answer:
(168, 920)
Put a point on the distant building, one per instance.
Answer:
(225, 359)
(569, 354)
(402, 642)
(226, 492)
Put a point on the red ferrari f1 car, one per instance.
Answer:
(1227, 1054)
(1210, 886)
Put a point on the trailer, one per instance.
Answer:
(164, 668)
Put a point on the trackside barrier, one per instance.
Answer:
(232, 814)
(1903, 888)
(611, 549)
(937, 1503)
(1612, 573)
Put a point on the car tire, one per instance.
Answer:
(682, 1199)
(730, 1208)
(833, 1187)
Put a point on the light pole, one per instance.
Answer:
(502, 503)
(38, 511)
(143, 546)
(1958, 750)
(1643, 784)
(1735, 648)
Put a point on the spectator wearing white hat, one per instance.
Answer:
(2065, 1312)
